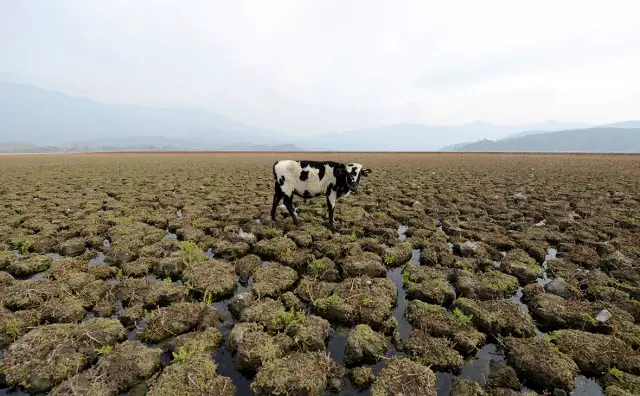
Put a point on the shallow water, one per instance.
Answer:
(401, 232)
(99, 259)
(171, 235)
(54, 256)
(476, 368)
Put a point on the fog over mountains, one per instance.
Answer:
(37, 120)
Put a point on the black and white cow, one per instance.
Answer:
(310, 179)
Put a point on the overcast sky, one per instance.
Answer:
(307, 67)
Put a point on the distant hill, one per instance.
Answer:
(20, 147)
(624, 124)
(592, 140)
(50, 121)
(262, 147)
(526, 133)
(45, 117)
(454, 147)
(417, 137)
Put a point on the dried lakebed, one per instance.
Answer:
(451, 275)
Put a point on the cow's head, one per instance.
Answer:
(354, 171)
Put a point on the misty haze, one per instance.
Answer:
(316, 198)
(358, 77)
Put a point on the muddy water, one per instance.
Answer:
(476, 368)
(99, 259)
(401, 232)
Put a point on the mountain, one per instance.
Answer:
(454, 147)
(624, 124)
(21, 147)
(592, 140)
(526, 133)
(417, 137)
(53, 118)
(262, 147)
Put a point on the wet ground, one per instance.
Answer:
(575, 212)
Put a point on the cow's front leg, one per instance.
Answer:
(277, 196)
(288, 202)
(331, 204)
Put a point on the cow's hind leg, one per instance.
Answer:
(288, 202)
(277, 197)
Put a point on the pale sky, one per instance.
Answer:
(306, 67)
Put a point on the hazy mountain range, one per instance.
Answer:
(592, 140)
(37, 120)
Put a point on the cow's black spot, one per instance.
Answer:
(281, 181)
(304, 175)
(339, 171)
(306, 194)
(320, 166)
(321, 171)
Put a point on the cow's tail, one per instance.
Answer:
(275, 176)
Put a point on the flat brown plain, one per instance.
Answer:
(123, 236)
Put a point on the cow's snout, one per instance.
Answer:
(353, 186)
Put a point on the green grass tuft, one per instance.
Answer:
(460, 318)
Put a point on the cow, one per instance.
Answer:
(309, 179)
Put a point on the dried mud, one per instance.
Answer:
(451, 274)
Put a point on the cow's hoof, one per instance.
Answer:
(334, 227)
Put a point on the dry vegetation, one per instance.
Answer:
(93, 247)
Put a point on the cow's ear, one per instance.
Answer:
(365, 172)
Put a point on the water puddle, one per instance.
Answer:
(38, 276)
(337, 342)
(227, 368)
(415, 257)
(404, 328)
(209, 254)
(54, 256)
(551, 255)
(106, 244)
(518, 299)
(99, 259)
(476, 369)
(401, 232)
(171, 235)
(587, 387)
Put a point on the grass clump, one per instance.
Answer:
(496, 317)
(619, 374)
(402, 373)
(460, 318)
(189, 344)
(104, 350)
(195, 375)
(316, 266)
(191, 253)
(22, 243)
(285, 318)
(66, 348)
(389, 259)
(299, 373)
(333, 300)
